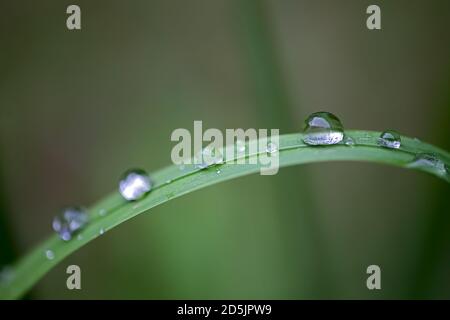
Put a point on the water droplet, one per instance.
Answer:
(431, 163)
(134, 184)
(209, 156)
(69, 221)
(271, 147)
(80, 237)
(101, 231)
(240, 147)
(348, 141)
(102, 212)
(389, 139)
(168, 181)
(323, 128)
(218, 171)
(49, 254)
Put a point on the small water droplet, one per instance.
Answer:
(209, 156)
(101, 231)
(69, 221)
(80, 237)
(218, 171)
(389, 139)
(240, 147)
(431, 163)
(348, 141)
(134, 184)
(168, 181)
(102, 212)
(271, 147)
(323, 128)
(49, 254)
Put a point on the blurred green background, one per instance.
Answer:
(80, 107)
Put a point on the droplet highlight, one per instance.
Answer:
(271, 147)
(389, 139)
(134, 184)
(240, 147)
(69, 221)
(323, 128)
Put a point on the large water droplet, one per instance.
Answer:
(69, 221)
(389, 139)
(209, 156)
(323, 128)
(134, 184)
(271, 147)
(49, 254)
(431, 163)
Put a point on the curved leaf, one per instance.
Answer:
(171, 182)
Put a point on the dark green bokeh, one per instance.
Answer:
(80, 107)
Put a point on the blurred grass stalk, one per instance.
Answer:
(437, 220)
(7, 249)
(271, 96)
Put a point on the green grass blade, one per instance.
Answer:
(171, 182)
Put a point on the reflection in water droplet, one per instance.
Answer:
(431, 163)
(69, 221)
(389, 139)
(49, 254)
(134, 184)
(323, 128)
(271, 147)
